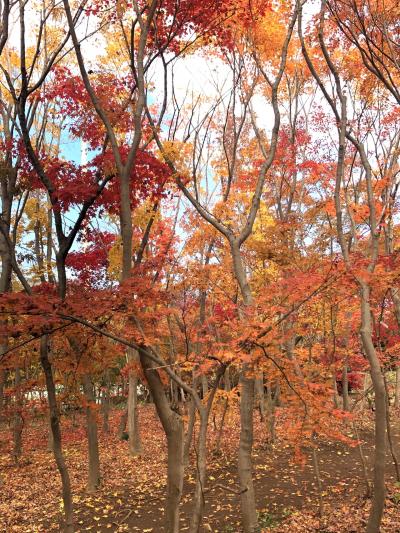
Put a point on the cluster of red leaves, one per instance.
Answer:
(74, 184)
(149, 179)
(177, 23)
(68, 93)
(92, 258)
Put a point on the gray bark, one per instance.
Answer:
(345, 387)
(55, 428)
(92, 435)
(245, 467)
(247, 384)
(259, 389)
(227, 387)
(378, 500)
(397, 389)
(134, 442)
(122, 423)
(18, 420)
(201, 460)
(105, 407)
(173, 427)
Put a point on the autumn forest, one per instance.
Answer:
(200, 266)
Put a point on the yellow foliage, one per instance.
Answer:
(180, 154)
(115, 260)
(36, 213)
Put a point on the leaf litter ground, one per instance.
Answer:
(131, 497)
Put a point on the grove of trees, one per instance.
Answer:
(199, 212)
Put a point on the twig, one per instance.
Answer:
(229, 489)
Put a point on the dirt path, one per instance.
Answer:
(281, 487)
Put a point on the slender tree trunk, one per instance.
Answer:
(201, 465)
(227, 387)
(389, 434)
(38, 246)
(122, 423)
(318, 477)
(5, 286)
(105, 407)
(191, 423)
(396, 303)
(259, 390)
(92, 436)
(397, 389)
(345, 386)
(173, 427)
(378, 499)
(247, 500)
(366, 386)
(134, 443)
(204, 385)
(3, 376)
(221, 427)
(271, 414)
(50, 441)
(363, 463)
(55, 428)
(201, 461)
(189, 432)
(49, 245)
(5, 280)
(18, 420)
(175, 473)
(335, 392)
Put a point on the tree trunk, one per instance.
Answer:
(173, 427)
(204, 385)
(105, 407)
(175, 473)
(378, 500)
(271, 414)
(2, 384)
(191, 423)
(397, 389)
(318, 477)
(18, 420)
(221, 427)
(134, 443)
(345, 387)
(248, 503)
(363, 463)
(366, 386)
(122, 423)
(5, 286)
(248, 507)
(335, 392)
(50, 441)
(201, 464)
(259, 389)
(227, 387)
(49, 244)
(55, 428)
(189, 432)
(92, 437)
(389, 434)
(201, 455)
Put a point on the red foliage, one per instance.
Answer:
(92, 259)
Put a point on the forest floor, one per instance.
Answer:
(131, 497)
